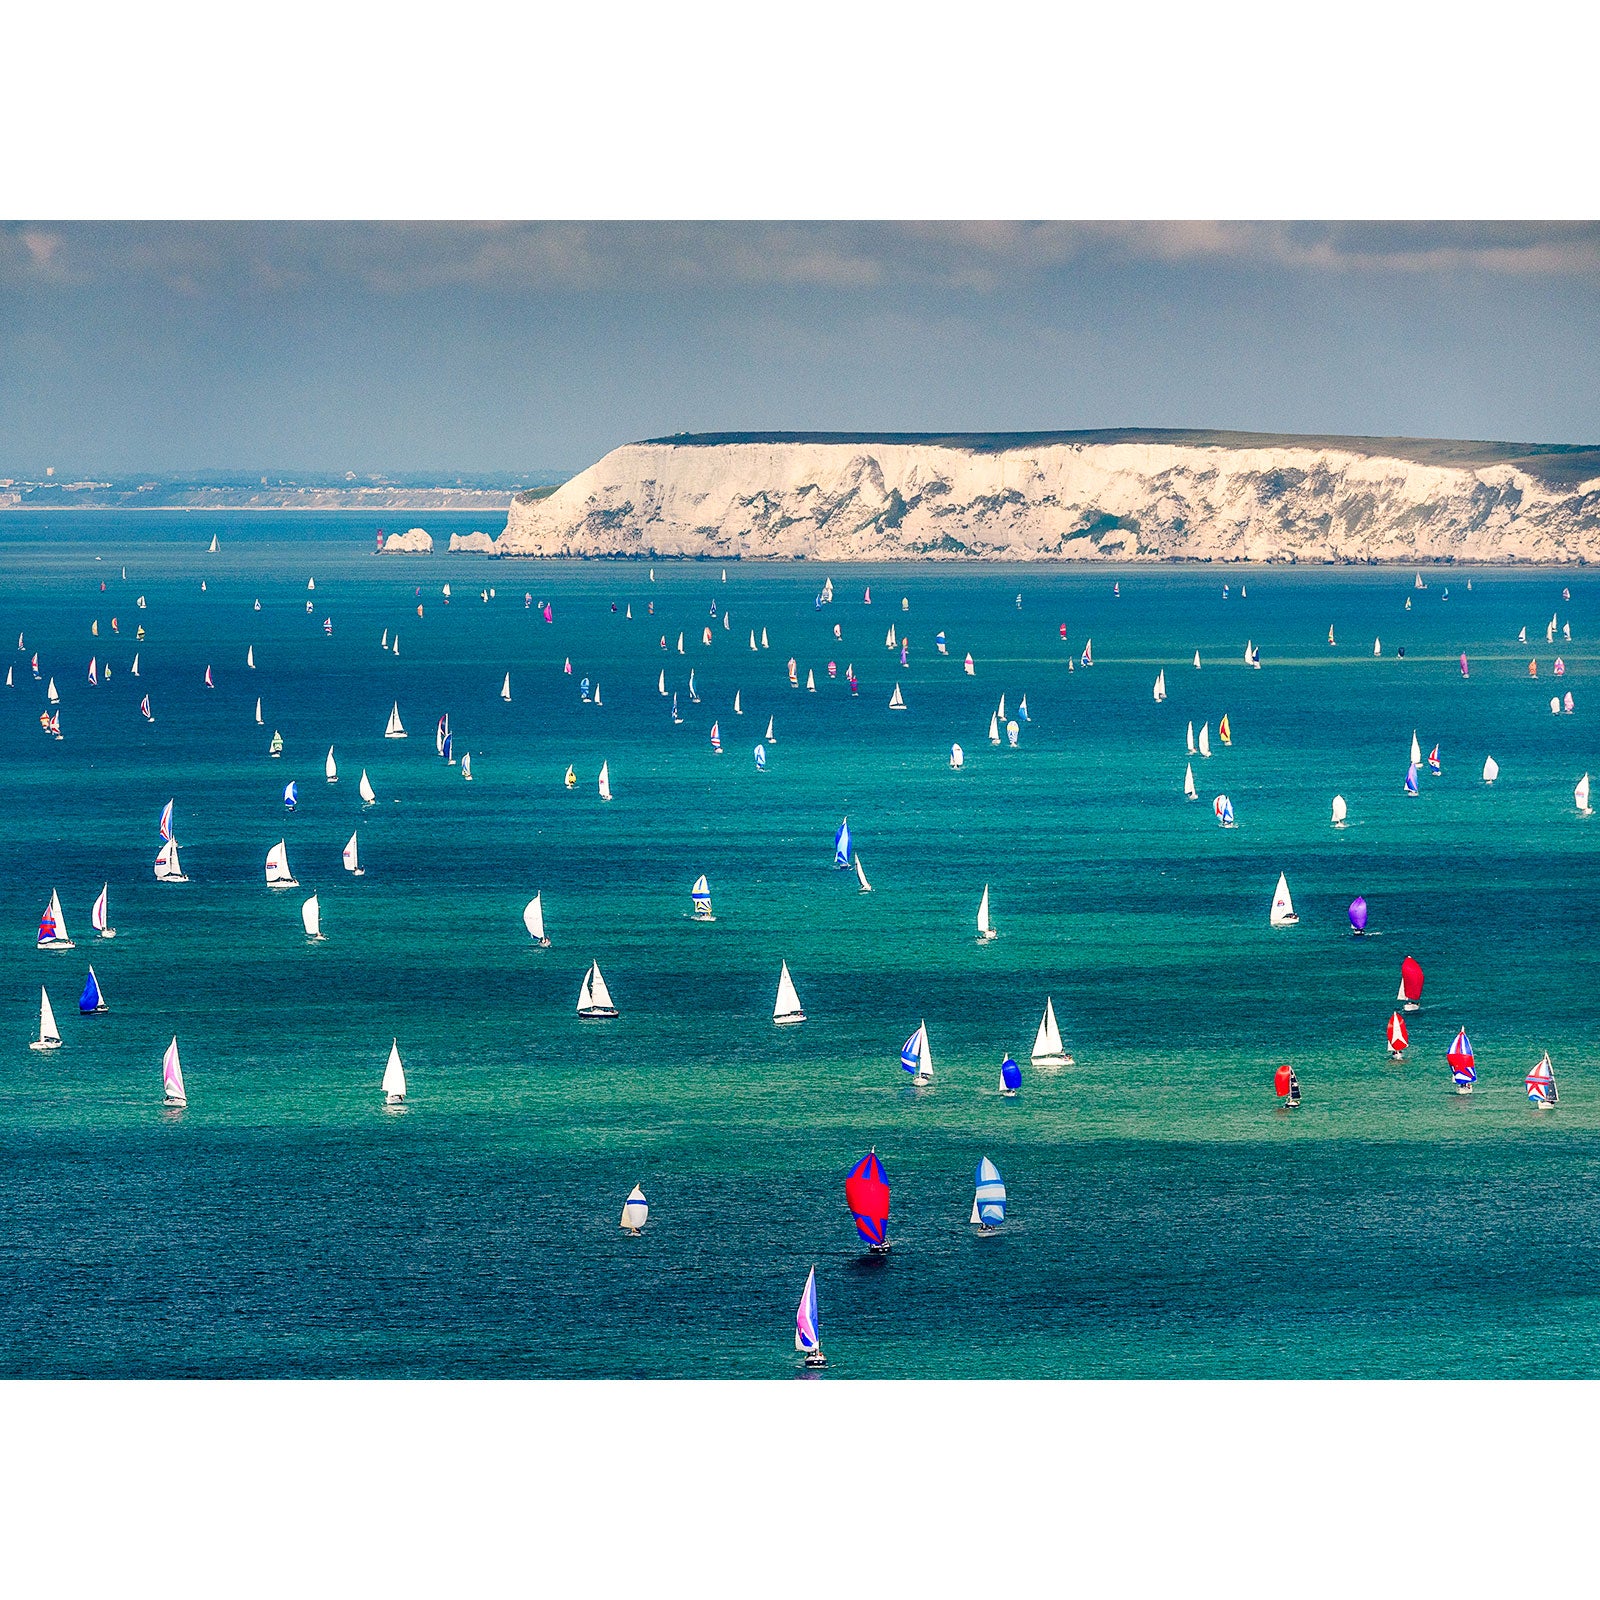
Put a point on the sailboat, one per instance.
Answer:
(605, 780)
(1433, 761)
(1022, 704)
(866, 1193)
(53, 926)
(330, 768)
(1249, 645)
(533, 920)
(1224, 732)
(1566, 703)
(1491, 769)
(49, 1035)
(594, 998)
(1339, 811)
(1048, 1050)
(571, 778)
(841, 845)
(168, 869)
(259, 722)
(394, 1077)
(1286, 1085)
(1555, 705)
(786, 1008)
(311, 918)
(700, 900)
(752, 638)
(394, 645)
(770, 736)
(1464, 669)
(958, 758)
(897, 700)
(811, 681)
(1411, 981)
(209, 683)
(994, 728)
(275, 749)
(1377, 647)
(98, 915)
(680, 644)
(677, 716)
(738, 710)
(352, 859)
(1159, 693)
(986, 930)
(250, 657)
(1197, 660)
(1522, 636)
(94, 678)
(1205, 740)
(1189, 739)
(1330, 633)
(1087, 658)
(368, 796)
(989, 1198)
(1223, 807)
(50, 693)
(1399, 1036)
(466, 766)
(807, 1336)
(661, 682)
(1463, 1071)
(1010, 1078)
(291, 796)
(916, 1057)
(761, 758)
(635, 1212)
(172, 1077)
(1541, 1083)
(861, 877)
(1416, 749)
(278, 874)
(212, 548)
(889, 639)
(395, 729)
(1189, 790)
(1283, 914)
(1411, 779)
(505, 688)
(1580, 797)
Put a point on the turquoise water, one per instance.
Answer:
(1167, 1218)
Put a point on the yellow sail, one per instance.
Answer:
(1224, 732)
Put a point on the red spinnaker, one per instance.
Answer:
(1411, 977)
(1283, 1079)
(866, 1192)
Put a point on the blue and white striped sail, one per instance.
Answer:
(841, 845)
(989, 1202)
(166, 822)
(911, 1051)
(807, 1336)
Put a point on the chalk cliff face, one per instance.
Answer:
(415, 541)
(1106, 497)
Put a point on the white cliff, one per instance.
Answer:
(414, 542)
(472, 541)
(1109, 497)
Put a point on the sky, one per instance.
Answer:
(457, 347)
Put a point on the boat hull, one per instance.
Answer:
(174, 1102)
(1062, 1060)
(284, 883)
(45, 1044)
(394, 1100)
(57, 944)
(107, 933)
(597, 1013)
(788, 1019)
(815, 1359)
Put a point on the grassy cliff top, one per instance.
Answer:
(1554, 464)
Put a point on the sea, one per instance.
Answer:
(1167, 1215)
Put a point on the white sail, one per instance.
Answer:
(594, 998)
(772, 738)
(50, 693)
(533, 918)
(1377, 647)
(394, 730)
(172, 1076)
(250, 656)
(605, 780)
(278, 874)
(635, 1211)
(1491, 769)
(1158, 692)
(764, 644)
(505, 688)
(1339, 811)
(787, 1006)
(897, 700)
(924, 1072)
(367, 793)
(1416, 750)
(1047, 1048)
(311, 917)
(259, 722)
(1205, 739)
(985, 929)
(1197, 659)
(167, 868)
(352, 858)
(861, 877)
(1188, 782)
(958, 758)
(466, 765)
(1581, 795)
(394, 1076)
(63, 939)
(811, 681)
(49, 1035)
(1283, 912)
(661, 681)
(994, 728)
(99, 916)
(1189, 739)
(737, 710)
(330, 767)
